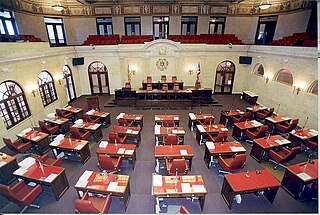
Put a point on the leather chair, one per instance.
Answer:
(124, 122)
(22, 194)
(48, 128)
(93, 103)
(179, 165)
(257, 132)
(283, 155)
(207, 121)
(165, 87)
(109, 164)
(183, 210)
(163, 78)
(93, 204)
(286, 127)
(149, 79)
(171, 139)
(77, 134)
(241, 118)
(221, 137)
(174, 78)
(17, 145)
(233, 164)
(92, 119)
(264, 113)
(46, 160)
(149, 87)
(168, 123)
(64, 114)
(312, 143)
(114, 136)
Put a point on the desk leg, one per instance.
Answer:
(201, 202)
(227, 193)
(271, 193)
(207, 157)
(107, 121)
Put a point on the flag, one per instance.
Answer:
(129, 75)
(198, 73)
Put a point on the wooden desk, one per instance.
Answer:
(164, 131)
(214, 150)
(160, 118)
(251, 182)
(8, 165)
(255, 108)
(93, 128)
(63, 123)
(78, 147)
(104, 117)
(170, 187)
(205, 130)
(225, 116)
(262, 145)
(116, 150)
(53, 177)
(77, 112)
(272, 121)
(158, 84)
(37, 138)
(300, 136)
(194, 118)
(133, 133)
(240, 128)
(137, 119)
(161, 153)
(113, 184)
(249, 96)
(297, 176)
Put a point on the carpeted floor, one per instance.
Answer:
(141, 200)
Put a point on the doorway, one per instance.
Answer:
(68, 83)
(224, 77)
(98, 77)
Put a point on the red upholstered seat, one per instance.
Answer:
(264, 113)
(124, 122)
(257, 132)
(283, 155)
(312, 143)
(171, 139)
(221, 137)
(233, 164)
(93, 119)
(17, 145)
(77, 134)
(48, 128)
(109, 164)
(114, 136)
(93, 204)
(241, 118)
(183, 210)
(207, 121)
(45, 159)
(286, 127)
(177, 166)
(168, 123)
(63, 114)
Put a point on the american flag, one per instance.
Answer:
(199, 71)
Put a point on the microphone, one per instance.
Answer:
(305, 122)
(278, 109)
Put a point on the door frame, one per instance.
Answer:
(68, 85)
(224, 72)
(99, 79)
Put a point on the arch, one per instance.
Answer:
(47, 88)
(284, 76)
(224, 77)
(313, 88)
(68, 83)
(14, 107)
(98, 77)
(258, 69)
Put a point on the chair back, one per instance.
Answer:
(149, 79)
(85, 206)
(208, 121)
(165, 87)
(9, 143)
(123, 122)
(183, 210)
(114, 136)
(43, 126)
(176, 87)
(171, 139)
(75, 133)
(238, 162)
(7, 192)
(59, 112)
(93, 103)
(168, 123)
(221, 137)
(105, 162)
(163, 78)
(149, 86)
(262, 131)
(271, 110)
(174, 78)
(245, 116)
(293, 125)
(178, 165)
(293, 152)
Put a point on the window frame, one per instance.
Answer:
(313, 85)
(132, 24)
(161, 23)
(12, 20)
(54, 25)
(50, 89)
(105, 24)
(223, 23)
(265, 22)
(255, 69)
(17, 103)
(189, 23)
(276, 76)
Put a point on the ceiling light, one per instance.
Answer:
(265, 4)
(58, 7)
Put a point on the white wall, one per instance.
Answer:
(146, 25)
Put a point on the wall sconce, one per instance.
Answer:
(59, 78)
(190, 70)
(133, 71)
(33, 89)
(267, 77)
(297, 87)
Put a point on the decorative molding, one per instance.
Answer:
(162, 64)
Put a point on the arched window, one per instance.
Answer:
(68, 83)
(224, 77)
(313, 88)
(226, 66)
(47, 88)
(258, 69)
(98, 77)
(284, 76)
(13, 104)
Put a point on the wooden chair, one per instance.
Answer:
(257, 132)
(241, 118)
(264, 113)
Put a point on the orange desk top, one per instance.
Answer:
(226, 147)
(203, 116)
(234, 112)
(57, 120)
(8, 158)
(97, 113)
(203, 129)
(88, 126)
(69, 143)
(126, 130)
(171, 130)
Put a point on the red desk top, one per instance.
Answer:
(34, 171)
(69, 143)
(88, 126)
(72, 109)
(305, 167)
(132, 117)
(251, 181)
(225, 147)
(126, 130)
(273, 141)
(96, 182)
(172, 130)
(248, 124)
(305, 133)
(170, 185)
(234, 112)
(158, 118)
(57, 120)
(112, 149)
(8, 158)
(211, 128)
(203, 116)
(174, 151)
(278, 118)
(97, 113)
(33, 135)
(256, 108)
